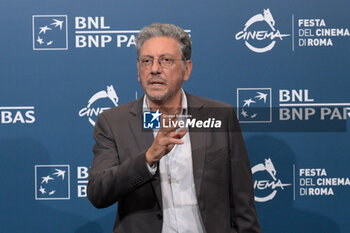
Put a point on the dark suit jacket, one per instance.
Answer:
(221, 171)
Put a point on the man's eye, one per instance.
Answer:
(166, 59)
(146, 60)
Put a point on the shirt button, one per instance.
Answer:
(159, 216)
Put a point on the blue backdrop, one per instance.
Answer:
(284, 65)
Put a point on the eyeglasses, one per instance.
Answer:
(163, 61)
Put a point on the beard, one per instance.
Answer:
(158, 89)
(160, 93)
(156, 97)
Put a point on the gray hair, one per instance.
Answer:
(169, 30)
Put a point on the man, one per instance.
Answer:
(171, 180)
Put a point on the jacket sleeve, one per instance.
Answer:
(109, 179)
(243, 213)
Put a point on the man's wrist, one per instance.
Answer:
(148, 160)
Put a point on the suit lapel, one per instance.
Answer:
(145, 139)
(198, 142)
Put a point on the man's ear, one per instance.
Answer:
(188, 70)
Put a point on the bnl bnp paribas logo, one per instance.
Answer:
(254, 105)
(52, 182)
(99, 102)
(259, 33)
(50, 32)
(151, 120)
(266, 181)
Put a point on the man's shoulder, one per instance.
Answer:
(194, 100)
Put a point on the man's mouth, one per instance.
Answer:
(157, 82)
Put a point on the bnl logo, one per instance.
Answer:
(151, 120)
(52, 182)
(254, 105)
(50, 32)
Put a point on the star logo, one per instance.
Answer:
(244, 113)
(151, 120)
(156, 115)
(248, 102)
(254, 105)
(50, 32)
(52, 182)
(59, 173)
(44, 29)
(52, 192)
(46, 179)
(40, 40)
(42, 190)
(57, 23)
(261, 96)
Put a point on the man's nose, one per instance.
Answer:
(156, 68)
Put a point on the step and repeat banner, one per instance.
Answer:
(284, 66)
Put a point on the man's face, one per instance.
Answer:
(158, 82)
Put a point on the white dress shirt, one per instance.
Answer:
(180, 208)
